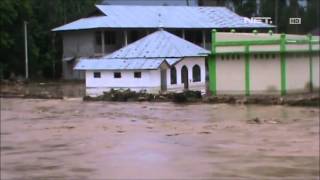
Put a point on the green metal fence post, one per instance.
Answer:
(310, 62)
(247, 70)
(212, 65)
(283, 64)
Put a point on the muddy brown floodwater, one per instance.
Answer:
(72, 139)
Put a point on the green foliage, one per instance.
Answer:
(44, 47)
(245, 7)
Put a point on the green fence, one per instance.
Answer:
(282, 42)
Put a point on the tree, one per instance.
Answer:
(44, 46)
(311, 18)
(245, 8)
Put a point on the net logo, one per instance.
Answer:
(294, 20)
(258, 20)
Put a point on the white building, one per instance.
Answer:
(156, 63)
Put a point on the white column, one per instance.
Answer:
(125, 37)
(178, 69)
(203, 38)
(102, 42)
(183, 35)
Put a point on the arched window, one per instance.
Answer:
(196, 73)
(185, 77)
(173, 75)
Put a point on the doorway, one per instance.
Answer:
(163, 73)
(184, 77)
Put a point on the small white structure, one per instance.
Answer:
(156, 63)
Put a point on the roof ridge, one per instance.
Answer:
(174, 43)
(159, 44)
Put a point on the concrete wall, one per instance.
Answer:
(265, 74)
(298, 78)
(78, 43)
(69, 73)
(316, 72)
(189, 63)
(149, 81)
(230, 76)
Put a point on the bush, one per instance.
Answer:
(179, 97)
(187, 96)
(128, 95)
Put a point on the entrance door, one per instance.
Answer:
(184, 77)
(163, 79)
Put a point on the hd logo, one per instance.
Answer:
(294, 20)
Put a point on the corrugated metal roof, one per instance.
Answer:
(159, 44)
(119, 64)
(162, 16)
(172, 61)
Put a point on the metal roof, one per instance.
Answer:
(172, 61)
(159, 44)
(119, 64)
(117, 16)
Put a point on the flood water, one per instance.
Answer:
(72, 139)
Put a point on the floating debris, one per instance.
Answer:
(204, 132)
(254, 121)
(175, 134)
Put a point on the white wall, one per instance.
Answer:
(316, 73)
(149, 81)
(189, 62)
(230, 76)
(265, 75)
(298, 76)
